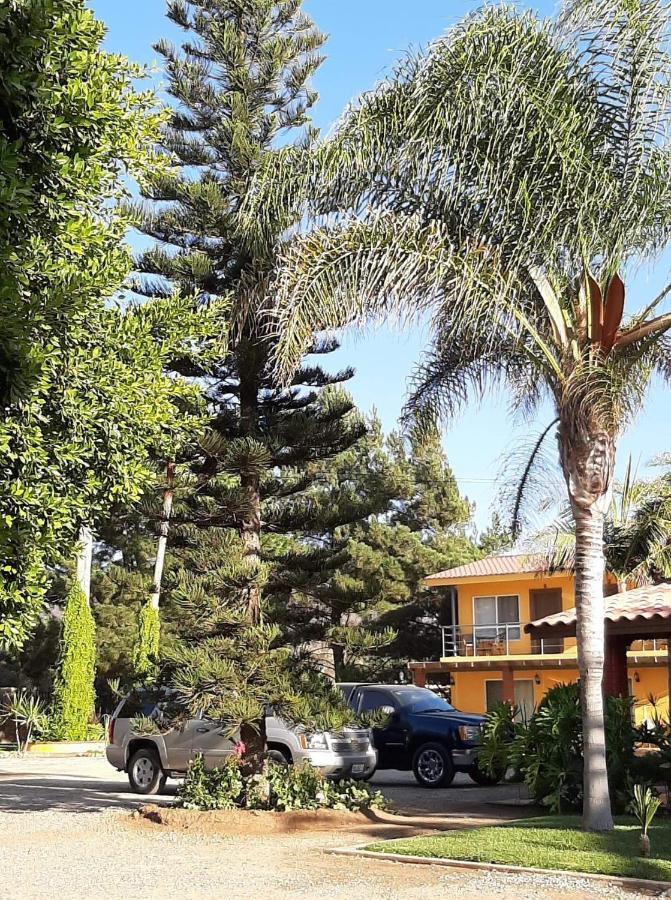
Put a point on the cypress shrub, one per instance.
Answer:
(146, 648)
(74, 694)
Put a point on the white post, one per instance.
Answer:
(163, 536)
(85, 560)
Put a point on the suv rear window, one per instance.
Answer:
(137, 705)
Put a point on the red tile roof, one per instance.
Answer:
(650, 602)
(512, 564)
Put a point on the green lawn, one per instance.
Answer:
(552, 842)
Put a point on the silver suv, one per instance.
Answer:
(150, 759)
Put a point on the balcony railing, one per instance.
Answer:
(510, 639)
(657, 645)
(495, 640)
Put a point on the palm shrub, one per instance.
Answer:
(74, 693)
(503, 185)
(644, 805)
(28, 714)
(548, 750)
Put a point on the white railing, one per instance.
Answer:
(654, 644)
(494, 640)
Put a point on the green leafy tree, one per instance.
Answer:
(504, 182)
(81, 386)
(74, 693)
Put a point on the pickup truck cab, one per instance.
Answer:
(150, 759)
(423, 732)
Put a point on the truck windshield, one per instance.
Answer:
(419, 700)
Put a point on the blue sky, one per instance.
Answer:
(365, 39)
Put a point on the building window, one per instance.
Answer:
(493, 694)
(494, 616)
(523, 690)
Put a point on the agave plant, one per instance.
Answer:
(29, 715)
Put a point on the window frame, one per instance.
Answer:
(497, 624)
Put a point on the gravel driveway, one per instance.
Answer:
(67, 832)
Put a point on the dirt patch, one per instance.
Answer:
(256, 823)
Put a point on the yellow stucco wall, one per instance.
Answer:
(469, 688)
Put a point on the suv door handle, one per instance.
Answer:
(202, 730)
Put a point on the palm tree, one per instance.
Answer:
(502, 184)
(637, 532)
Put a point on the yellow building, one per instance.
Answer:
(488, 656)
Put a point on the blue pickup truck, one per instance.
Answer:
(422, 732)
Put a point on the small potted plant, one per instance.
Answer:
(644, 805)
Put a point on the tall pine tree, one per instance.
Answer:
(241, 95)
(240, 85)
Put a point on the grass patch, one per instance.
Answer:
(550, 842)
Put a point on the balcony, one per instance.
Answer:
(495, 640)
(510, 640)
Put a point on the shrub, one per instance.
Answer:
(27, 714)
(498, 734)
(278, 788)
(74, 695)
(547, 750)
(644, 804)
(146, 651)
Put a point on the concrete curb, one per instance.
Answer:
(65, 749)
(638, 884)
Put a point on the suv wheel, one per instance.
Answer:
(432, 766)
(279, 758)
(144, 772)
(484, 779)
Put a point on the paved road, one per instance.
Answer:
(90, 785)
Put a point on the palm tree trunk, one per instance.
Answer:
(588, 459)
(155, 595)
(590, 633)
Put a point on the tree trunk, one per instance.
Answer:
(588, 460)
(251, 526)
(254, 754)
(85, 560)
(590, 633)
(644, 845)
(155, 595)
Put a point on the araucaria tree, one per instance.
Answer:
(240, 85)
(241, 95)
(505, 183)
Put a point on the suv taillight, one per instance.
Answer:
(110, 730)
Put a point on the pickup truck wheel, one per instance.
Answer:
(144, 772)
(279, 758)
(432, 766)
(484, 779)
